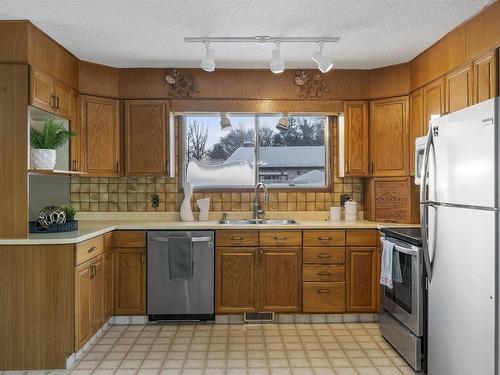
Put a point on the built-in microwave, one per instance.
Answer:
(419, 157)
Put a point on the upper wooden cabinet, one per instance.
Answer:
(417, 128)
(146, 140)
(434, 100)
(485, 77)
(48, 94)
(389, 137)
(459, 88)
(100, 140)
(356, 139)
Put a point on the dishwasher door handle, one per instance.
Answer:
(193, 239)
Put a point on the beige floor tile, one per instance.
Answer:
(298, 362)
(173, 363)
(151, 363)
(156, 355)
(276, 354)
(257, 363)
(302, 371)
(389, 371)
(109, 364)
(367, 371)
(281, 371)
(323, 371)
(216, 363)
(345, 371)
(136, 355)
(275, 363)
(217, 355)
(361, 362)
(194, 363)
(192, 371)
(171, 371)
(214, 371)
(236, 363)
(125, 371)
(148, 371)
(258, 371)
(256, 354)
(101, 372)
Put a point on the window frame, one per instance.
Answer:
(290, 188)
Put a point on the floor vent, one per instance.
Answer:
(261, 317)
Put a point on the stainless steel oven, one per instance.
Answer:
(402, 314)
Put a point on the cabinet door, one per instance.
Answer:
(236, 280)
(434, 100)
(459, 88)
(97, 294)
(356, 138)
(62, 99)
(485, 77)
(108, 285)
(280, 279)
(417, 128)
(100, 126)
(74, 125)
(361, 279)
(389, 136)
(130, 282)
(82, 305)
(41, 95)
(146, 139)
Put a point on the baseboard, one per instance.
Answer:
(126, 320)
(304, 318)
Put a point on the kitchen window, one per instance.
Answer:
(252, 149)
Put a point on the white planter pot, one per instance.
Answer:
(43, 158)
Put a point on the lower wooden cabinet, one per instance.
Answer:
(362, 274)
(129, 281)
(236, 279)
(327, 297)
(280, 279)
(89, 299)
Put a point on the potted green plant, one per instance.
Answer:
(44, 143)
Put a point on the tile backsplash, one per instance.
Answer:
(111, 194)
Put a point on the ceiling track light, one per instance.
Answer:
(277, 64)
(208, 62)
(324, 63)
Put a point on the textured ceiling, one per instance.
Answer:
(150, 33)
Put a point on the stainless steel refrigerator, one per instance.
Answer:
(459, 201)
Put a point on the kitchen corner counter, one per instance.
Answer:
(91, 228)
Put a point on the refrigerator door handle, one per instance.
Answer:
(424, 204)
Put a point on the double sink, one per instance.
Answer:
(258, 221)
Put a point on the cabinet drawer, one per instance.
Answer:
(280, 238)
(88, 249)
(129, 238)
(324, 237)
(324, 273)
(237, 238)
(324, 255)
(328, 297)
(361, 237)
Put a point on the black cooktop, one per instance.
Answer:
(410, 235)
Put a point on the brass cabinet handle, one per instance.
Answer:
(92, 249)
(280, 237)
(237, 238)
(371, 167)
(324, 274)
(74, 165)
(53, 101)
(142, 257)
(92, 271)
(323, 290)
(346, 167)
(324, 256)
(117, 167)
(325, 238)
(57, 102)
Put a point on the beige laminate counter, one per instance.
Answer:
(91, 228)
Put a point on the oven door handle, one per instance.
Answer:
(405, 250)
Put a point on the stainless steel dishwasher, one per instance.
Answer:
(180, 281)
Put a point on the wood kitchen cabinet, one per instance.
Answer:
(356, 156)
(485, 71)
(362, 283)
(459, 88)
(434, 100)
(280, 279)
(129, 273)
(100, 140)
(417, 127)
(146, 138)
(389, 137)
(89, 299)
(48, 94)
(236, 279)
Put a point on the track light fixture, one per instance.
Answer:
(282, 124)
(324, 64)
(208, 62)
(277, 64)
(225, 123)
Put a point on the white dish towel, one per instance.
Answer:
(390, 268)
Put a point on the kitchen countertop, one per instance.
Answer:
(91, 228)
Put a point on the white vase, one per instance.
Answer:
(204, 205)
(42, 158)
(186, 212)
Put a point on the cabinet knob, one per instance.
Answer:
(92, 249)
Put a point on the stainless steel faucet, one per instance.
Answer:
(257, 211)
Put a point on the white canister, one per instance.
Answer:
(351, 210)
(335, 214)
(204, 205)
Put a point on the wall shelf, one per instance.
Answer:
(55, 172)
